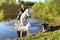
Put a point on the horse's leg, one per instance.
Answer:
(21, 21)
(21, 33)
(27, 32)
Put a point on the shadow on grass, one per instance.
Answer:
(53, 28)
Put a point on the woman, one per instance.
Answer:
(21, 10)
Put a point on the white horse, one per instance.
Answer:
(23, 25)
(23, 18)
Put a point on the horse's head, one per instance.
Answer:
(27, 13)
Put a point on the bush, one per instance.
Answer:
(1, 15)
(47, 11)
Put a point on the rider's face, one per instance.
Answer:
(22, 6)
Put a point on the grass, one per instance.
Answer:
(54, 35)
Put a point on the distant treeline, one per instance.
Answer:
(47, 11)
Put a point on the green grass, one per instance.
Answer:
(55, 35)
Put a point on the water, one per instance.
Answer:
(6, 31)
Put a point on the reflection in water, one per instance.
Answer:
(34, 29)
(7, 32)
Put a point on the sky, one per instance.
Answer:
(35, 0)
(32, 0)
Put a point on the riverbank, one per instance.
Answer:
(54, 35)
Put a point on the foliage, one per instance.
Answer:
(1, 15)
(47, 11)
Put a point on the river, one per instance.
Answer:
(6, 31)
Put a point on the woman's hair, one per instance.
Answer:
(22, 9)
(23, 4)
